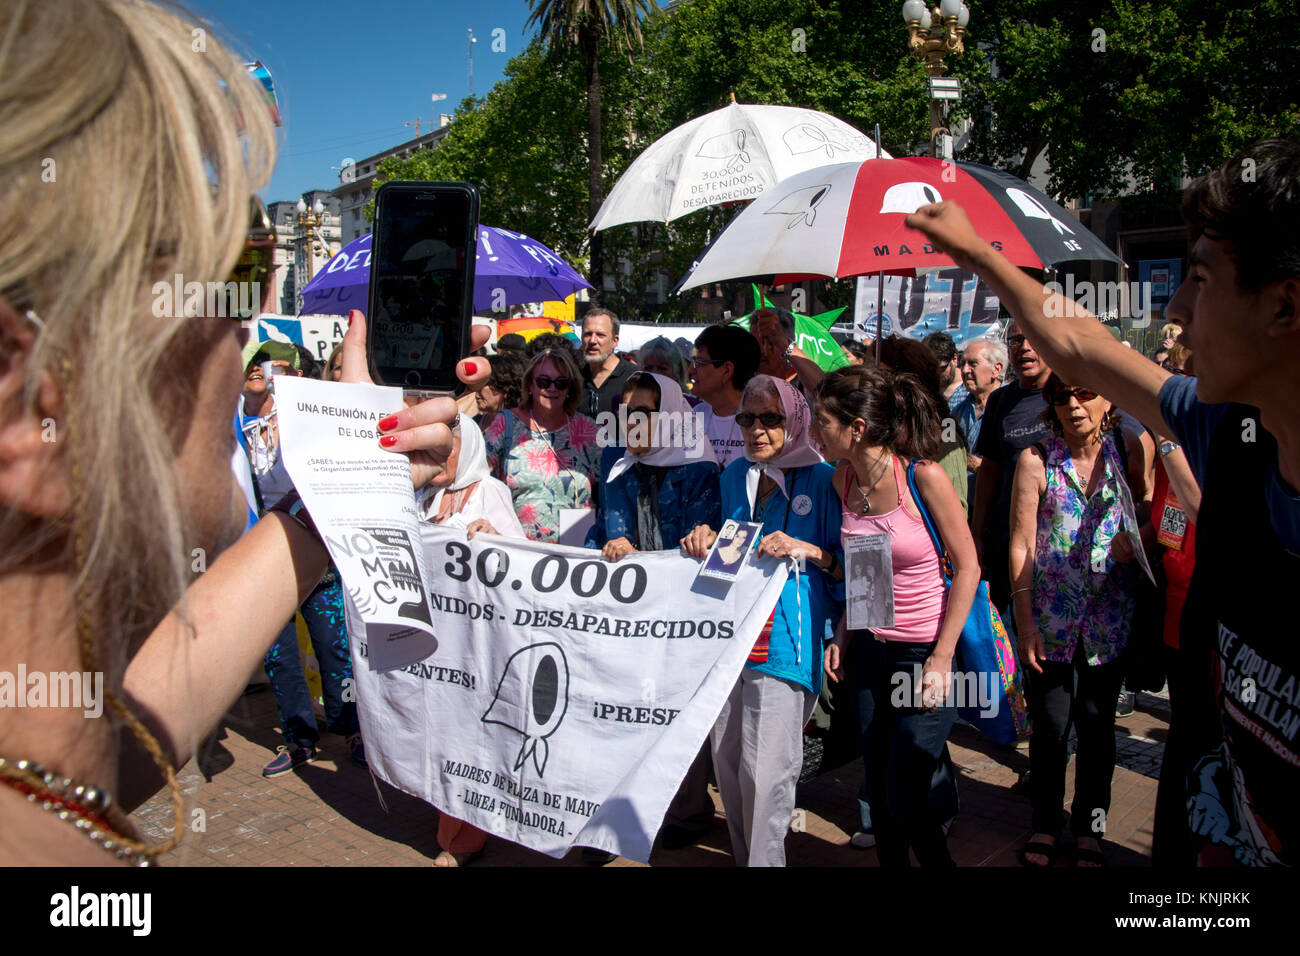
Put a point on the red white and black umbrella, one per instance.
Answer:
(848, 220)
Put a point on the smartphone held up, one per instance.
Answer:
(421, 283)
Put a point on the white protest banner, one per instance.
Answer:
(568, 695)
(360, 498)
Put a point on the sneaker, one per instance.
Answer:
(357, 748)
(863, 840)
(286, 758)
(1124, 706)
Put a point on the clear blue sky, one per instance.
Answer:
(349, 74)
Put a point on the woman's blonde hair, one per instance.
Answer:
(131, 142)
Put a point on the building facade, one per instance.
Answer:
(356, 182)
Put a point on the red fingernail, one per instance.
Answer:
(354, 314)
(388, 424)
(470, 367)
(388, 441)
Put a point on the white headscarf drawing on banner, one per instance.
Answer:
(692, 445)
(798, 449)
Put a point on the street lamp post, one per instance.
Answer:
(935, 34)
(309, 224)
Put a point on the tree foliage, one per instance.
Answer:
(1178, 88)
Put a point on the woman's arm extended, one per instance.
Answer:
(182, 681)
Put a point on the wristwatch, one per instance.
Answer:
(1167, 447)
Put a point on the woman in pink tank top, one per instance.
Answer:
(875, 422)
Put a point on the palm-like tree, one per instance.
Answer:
(584, 24)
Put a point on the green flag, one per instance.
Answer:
(812, 333)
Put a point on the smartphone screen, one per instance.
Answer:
(422, 282)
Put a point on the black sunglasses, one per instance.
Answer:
(1063, 397)
(769, 419)
(545, 381)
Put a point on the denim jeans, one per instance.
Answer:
(1082, 695)
(908, 747)
(943, 797)
(323, 612)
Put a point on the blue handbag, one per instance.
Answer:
(984, 650)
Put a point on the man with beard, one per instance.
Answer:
(603, 372)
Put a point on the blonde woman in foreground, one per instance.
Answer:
(126, 160)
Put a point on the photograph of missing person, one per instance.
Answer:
(728, 553)
(869, 587)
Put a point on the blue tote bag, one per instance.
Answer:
(984, 648)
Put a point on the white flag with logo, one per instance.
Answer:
(567, 695)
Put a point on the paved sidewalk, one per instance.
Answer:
(331, 812)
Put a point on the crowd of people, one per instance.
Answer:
(1089, 457)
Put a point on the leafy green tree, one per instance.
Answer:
(585, 25)
(1167, 89)
(1128, 96)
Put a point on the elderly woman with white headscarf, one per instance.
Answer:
(465, 495)
(783, 483)
(666, 481)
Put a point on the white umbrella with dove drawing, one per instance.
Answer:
(730, 155)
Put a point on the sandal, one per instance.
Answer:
(448, 859)
(1039, 848)
(1095, 858)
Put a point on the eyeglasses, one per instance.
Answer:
(697, 362)
(768, 419)
(1016, 342)
(544, 382)
(1082, 394)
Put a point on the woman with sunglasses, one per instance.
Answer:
(757, 740)
(1073, 600)
(103, 522)
(544, 451)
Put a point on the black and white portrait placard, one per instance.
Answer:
(869, 584)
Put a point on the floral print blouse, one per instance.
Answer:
(1081, 593)
(545, 471)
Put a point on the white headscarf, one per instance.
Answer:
(490, 500)
(472, 465)
(694, 444)
(798, 449)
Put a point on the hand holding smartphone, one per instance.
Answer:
(421, 284)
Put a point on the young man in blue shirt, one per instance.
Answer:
(1237, 422)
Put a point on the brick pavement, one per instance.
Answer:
(333, 813)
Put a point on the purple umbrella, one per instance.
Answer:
(510, 268)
